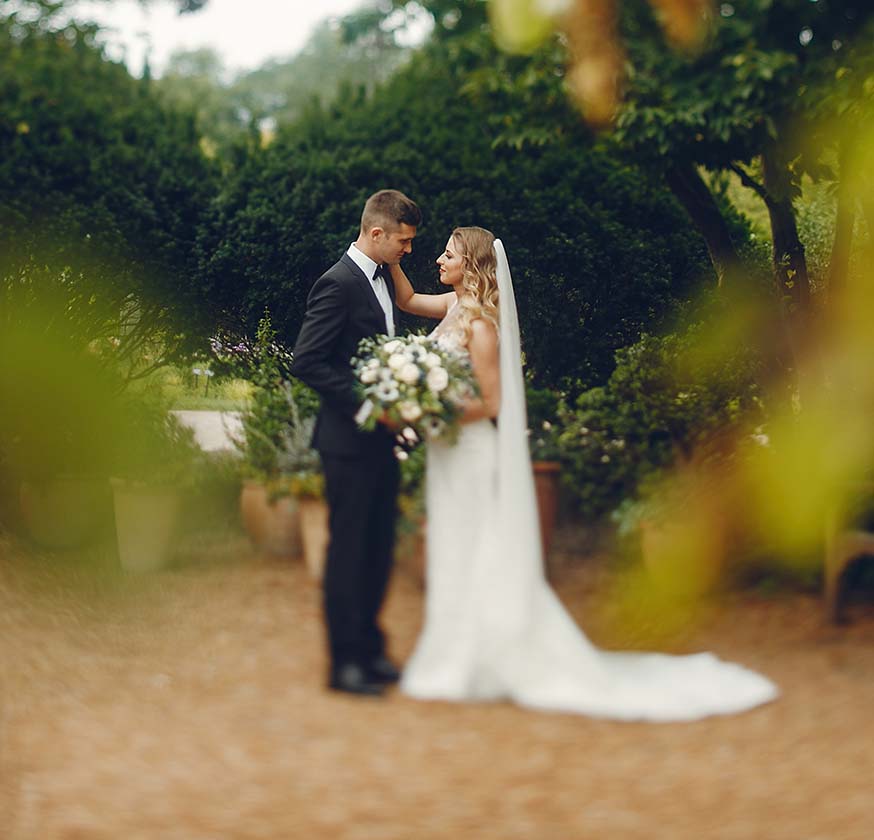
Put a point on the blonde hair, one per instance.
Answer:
(479, 280)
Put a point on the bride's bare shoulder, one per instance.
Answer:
(483, 332)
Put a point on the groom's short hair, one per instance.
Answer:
(389, 209)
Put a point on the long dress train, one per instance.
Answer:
(494, 629)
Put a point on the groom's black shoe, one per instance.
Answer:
(383, 670)
(354, 679)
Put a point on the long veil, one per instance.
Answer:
(520, 558)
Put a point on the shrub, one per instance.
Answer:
(668, 397)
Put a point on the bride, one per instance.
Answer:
(493, 627)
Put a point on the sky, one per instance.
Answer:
(245, 33)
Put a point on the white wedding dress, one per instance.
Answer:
(494, 629)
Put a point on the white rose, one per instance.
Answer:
(437, 379)
(410, 411)
(373, 363)
(393, 346)
(369, 375)
(398, 360)
(432, 360)
(409, 374)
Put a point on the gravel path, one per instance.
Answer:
(214, 431)
(190, 705)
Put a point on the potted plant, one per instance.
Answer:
(59, 418)
(155, 467)
(680, 518)
(282, 503)
(543, 441)
(412, 522)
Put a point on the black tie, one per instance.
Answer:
(381, 271)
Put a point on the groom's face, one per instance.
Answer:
(393, 244)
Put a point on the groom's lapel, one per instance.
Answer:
(369, 293)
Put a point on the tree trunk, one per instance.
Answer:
(688, 186)
(790, 267)
(845, 220)
(790, 264)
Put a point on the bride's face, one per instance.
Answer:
(451, 264)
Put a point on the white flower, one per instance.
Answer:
(547, 425)
(387, 392)
(418, 339)
(410, 411)
(373, 363)
(434, 427)
(409, 435)
(393, 346)
(397, 360)
(409, 374)
(437, 379)
(387, 376)
(369, 375)
(605, 459)
(431, 360)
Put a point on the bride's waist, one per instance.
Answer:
(477, 431)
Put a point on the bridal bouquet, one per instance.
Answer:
(416, 382)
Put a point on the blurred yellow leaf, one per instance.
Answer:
(520, 25)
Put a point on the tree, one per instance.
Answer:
(756, 97)
(102, 190)
(600, 253)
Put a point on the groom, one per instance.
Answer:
(351, 300)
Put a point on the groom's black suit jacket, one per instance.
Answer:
(342, 308)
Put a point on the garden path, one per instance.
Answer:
(214, 431)
(189, 705)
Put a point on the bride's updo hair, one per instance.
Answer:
(479, 281)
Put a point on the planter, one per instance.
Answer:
(546, 478)
(65, 511)
(273, 526)
(145, 523)
(684, 556)
(314, 533)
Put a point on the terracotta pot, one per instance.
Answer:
(65, 511)
(683, 556)
(546, 477)
(314, 534)
(145, 523)
(274, 527)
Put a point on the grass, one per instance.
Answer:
(185, 391)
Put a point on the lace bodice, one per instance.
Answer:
(448, 333)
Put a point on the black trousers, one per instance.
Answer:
(362, 497)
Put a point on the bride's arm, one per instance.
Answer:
(428, 306)
(486, 364)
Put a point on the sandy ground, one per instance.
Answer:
(190, 705)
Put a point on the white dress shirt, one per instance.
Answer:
(368, 266)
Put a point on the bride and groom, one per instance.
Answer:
(494, 629)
